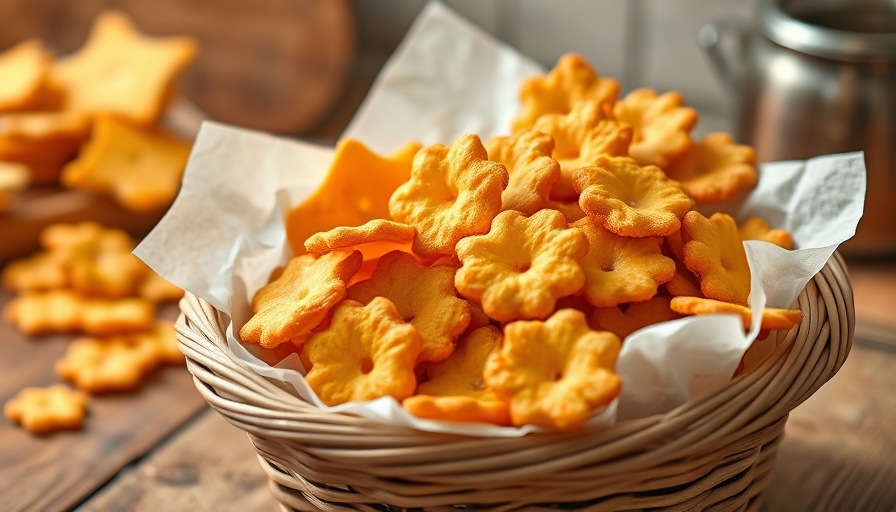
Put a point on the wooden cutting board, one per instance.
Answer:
(272, 65)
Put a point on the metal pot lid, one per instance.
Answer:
(857, 30)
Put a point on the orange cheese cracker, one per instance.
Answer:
(571, 80)
(140, 167)
(424, 296)
(621, 269)
(455, 390)
(356, 189)
(715, 169)
(454, 191)
(629, 199)
(42, 411)
(661, 125)
(715, 254)
(121, 71)
(532, 172)
(554, 373)
(772, 318)
(366, 352)
(588, 131)
(756, 228)
(522, 265)
(299, 297)
(24, 68)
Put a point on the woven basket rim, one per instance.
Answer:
(305, 450)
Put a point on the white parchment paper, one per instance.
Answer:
(225, 231)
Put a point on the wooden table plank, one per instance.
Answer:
(839, 446)
(837, 455)
(61, 470)
(211, 465)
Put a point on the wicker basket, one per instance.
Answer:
(715, 453)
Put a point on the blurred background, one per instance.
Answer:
(303, 66)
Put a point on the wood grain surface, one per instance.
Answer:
(58, 471)
(211, 465)
(837, 455)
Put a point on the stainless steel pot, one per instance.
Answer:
(815, 77)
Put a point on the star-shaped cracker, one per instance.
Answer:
(365, 353)
(621, 269)
(532, 171)
(555, 373)
(631, 200)
(661, 124)
(713, 251)
(455, 390)
(424, 296)
(45, 410)
(140, 167)
(580, 137)
(297, 300)
(121, 71)
(573, 79)
(356, 190)
(715, 169)
(453, 192)
(523, 265)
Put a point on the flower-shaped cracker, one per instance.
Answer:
(108, 365)
(620, 269)
(62, 310)
(661, 124)
(522, 266)
(366, 352)
(714, 169)
(424, 296)
(631, 200)
(455, 390)
(715, 254)
(572, 80)
(299, 298)
(97, 261)
(758, 229)
(555, 373)
(121, 71)
(453, 192)
(635, 316)
(772, 318)
(527, 157)
(585, 133)
(357, 189)
(45, 410)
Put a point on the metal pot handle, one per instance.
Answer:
(728, 60)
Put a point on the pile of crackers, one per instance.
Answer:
(92, 119)
(496, 281)
(86, 281)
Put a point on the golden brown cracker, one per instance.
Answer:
(522, 266)
(454, 191)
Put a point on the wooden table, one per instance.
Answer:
(162, 448)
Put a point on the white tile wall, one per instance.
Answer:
(644, 43)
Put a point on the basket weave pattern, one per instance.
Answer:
(716, 453)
